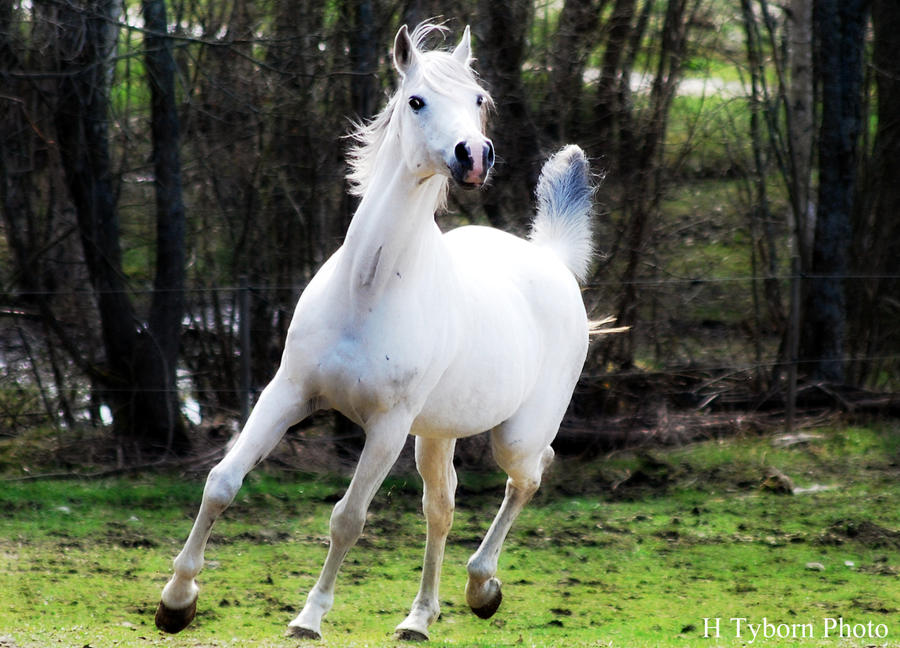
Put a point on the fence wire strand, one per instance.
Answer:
(20, 366)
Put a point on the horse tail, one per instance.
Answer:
(564, 202)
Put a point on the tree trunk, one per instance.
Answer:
(364, 59)
(613, 88)
(841, 29)
(639, 162)
(501, 37)
(876, 336)
(167, 308)
(571, 46)
(415, 11)
(82, 131)
(801, 127)
(762, 221)
(139, 377)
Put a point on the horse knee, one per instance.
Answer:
(528, 480)
(346, 524)
(526, 474)
(438, 504)
(221, 488)
(439, 517)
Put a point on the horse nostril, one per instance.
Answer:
(462, 152)
(489, 154)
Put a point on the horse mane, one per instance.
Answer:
(440, 71)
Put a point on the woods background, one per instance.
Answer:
(157, 156)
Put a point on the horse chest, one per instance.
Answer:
(362, 366)
(360, 378)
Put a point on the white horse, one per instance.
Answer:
(406, 330)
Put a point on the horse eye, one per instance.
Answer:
(479, 100)
(416, 103)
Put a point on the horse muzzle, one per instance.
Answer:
(471, 164)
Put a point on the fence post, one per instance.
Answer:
(244, 322)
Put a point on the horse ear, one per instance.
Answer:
(403, 51)
(463, 51)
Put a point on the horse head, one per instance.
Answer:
(441, 109)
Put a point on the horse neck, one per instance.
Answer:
(393, 229)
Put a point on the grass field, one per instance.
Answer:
(638, 549)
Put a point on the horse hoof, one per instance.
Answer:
(172, 621)
(487, 611)
(299, 632)
(408, 634)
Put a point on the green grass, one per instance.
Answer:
(706, 135)
(635, 550)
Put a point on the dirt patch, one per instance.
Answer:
(123, 536)
(262, 536)
(862, 532)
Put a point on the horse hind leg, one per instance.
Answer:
(524, 459)
(280, 405)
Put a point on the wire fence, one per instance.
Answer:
(698, 326)
(594, 283)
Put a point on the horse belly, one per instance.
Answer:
(466, 415)
(525, 323)
(482, 388)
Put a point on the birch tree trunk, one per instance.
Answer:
(801, 129)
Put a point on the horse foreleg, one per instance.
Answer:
(434, 459)
(483, 593)
(384, 441)
(280, 405)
